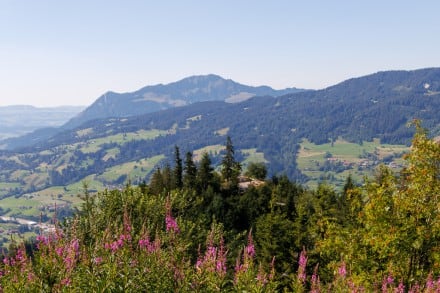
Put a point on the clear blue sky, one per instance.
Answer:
(70, 52)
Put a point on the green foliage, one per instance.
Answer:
(178, 168)
(230, 168)
(382, 235)
(190, 169)
(256, 170)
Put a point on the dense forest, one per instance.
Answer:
(196, 229)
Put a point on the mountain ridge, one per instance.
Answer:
(376, 107)
(158, 97)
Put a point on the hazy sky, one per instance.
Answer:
(70, 52)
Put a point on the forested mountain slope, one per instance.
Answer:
(375, 106)
(183, 92)
(152, 99)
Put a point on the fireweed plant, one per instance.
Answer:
(205, 236)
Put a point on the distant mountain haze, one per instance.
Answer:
(181, 93)
(21, 119)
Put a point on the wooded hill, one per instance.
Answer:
(358, 110)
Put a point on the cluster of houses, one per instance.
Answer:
(32, 225)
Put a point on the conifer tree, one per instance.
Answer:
(204, 173)
(178, 169)
(156, 182)
(189, 179)
(230, 168)
(167, 177)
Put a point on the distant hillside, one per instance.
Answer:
(160, 97)
(268, 129)
(21, 119)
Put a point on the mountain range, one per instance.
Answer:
(181, 93)
(264, 128)
(152, 99)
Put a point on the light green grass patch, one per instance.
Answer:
(94, 145)
(195, 118)
(212, 150)
(17, 160)
(36, 179)
(111, 154)
(91, 182)
(6, 187)
(19, 174)
(9, 185)
(222, 132)
(84, 132)
(19, 205)
(252, 156)
(46, 153)
(134, 170)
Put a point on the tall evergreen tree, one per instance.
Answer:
(190, 169)
(156, 182)
(167, 177)
(178, 169)
(205, 172)
(230, 168)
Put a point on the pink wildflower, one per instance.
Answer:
(342, 271)
(74, 247)
(272, 269)
(171, 224)
(68, 262)
(127, 224)
(20, 255)
(221, 259)
(250, 248)
(42, 240)
(400, 288)
(6, 261)
(261, 276)
(302, 266)
(30, 276)
(117, 244)
(148, 245)
(315, 282)
(429, 283)
(66, 282)
(59, 251)
(387, 281)
(97, 260)
(199, 263)
(214, 259)
(239, 268)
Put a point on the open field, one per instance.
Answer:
(131, 170)
(212, 150)
(252, 156)
(334, 162)
(94, 145)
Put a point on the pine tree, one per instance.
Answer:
(178, 169)
(230, 168)
(167, 177)
(204, 173)
(189, 179)
(156, 182)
